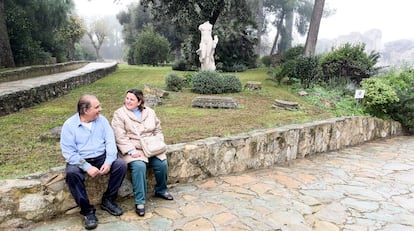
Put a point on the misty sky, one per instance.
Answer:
(392, 17)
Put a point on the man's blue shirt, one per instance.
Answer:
(78, 142)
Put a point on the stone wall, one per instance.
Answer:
(24, 98)
(39, 70)
(42, 196)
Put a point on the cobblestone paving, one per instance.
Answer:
(362, 188)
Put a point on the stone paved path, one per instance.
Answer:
(27, 84)
(363, 188)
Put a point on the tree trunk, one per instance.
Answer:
(286, 36)
(315, 22)
(279, 28)
(260, 21)
(6, 55)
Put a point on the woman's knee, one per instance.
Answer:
(138, 166)
(160, 164)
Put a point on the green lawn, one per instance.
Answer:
(22, 152)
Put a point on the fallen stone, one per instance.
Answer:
(252, 85)
(286, 105)
(214, 102)
(154, 91)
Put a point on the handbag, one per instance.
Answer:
(152, 145)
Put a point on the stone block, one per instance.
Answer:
(214, 102)
(286, 105)
(252, 85)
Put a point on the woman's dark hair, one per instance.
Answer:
(140, 96)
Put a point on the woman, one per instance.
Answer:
(129, 122)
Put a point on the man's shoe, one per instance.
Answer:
(165, 196)
(91, 222)
(140, 210)
(111, 207)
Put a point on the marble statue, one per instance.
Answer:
(207, 47)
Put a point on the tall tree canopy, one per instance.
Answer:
(232, 20)
(34, 28)
(6, 55)
(288, 13)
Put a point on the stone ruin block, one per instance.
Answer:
(252, 85)
(154, 91)
(286, 105)
(214, 102)
(152, 100)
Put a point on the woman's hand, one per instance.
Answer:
(136, 154)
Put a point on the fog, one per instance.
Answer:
(382, 24)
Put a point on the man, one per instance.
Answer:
(88, 145)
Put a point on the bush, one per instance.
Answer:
(211, 82)
(237, 67)
(231, 84)
(291, 53)
(266, 60)
(149, 48)
(181, 65)
(188, 78)
(306, 69)
(174, 82)
(379, 96)
(403, 111)
(276, 74)
(296, 67)
(348, 63)
(206, 82)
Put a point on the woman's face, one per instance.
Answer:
(131, 101)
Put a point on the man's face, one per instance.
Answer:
(93, 112)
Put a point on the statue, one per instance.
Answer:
(207, 47)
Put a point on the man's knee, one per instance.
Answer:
(120, 164)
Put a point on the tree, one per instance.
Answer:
(288, 13)
(33, 29)
(231, 19)
(6, 55)
(97, 32)
(71, 34)
(149, 48)
(312, 37)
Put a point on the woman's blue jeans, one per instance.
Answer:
(139, 180)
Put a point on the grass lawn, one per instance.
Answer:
(22, 152)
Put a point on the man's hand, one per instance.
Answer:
(93, 171)
(105, 168)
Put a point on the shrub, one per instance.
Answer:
(379, 96)
(211, 82)
(276, 74)
(403, 111)
(348, 62)
(174, 82)
(206, 82)
(296, 67)
(237, 67)
(231, 84)
(188, 78)
(291, 53)
(266, 60)
(306, 69)
(181, 65)
(149, 48)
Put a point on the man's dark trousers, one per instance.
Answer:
(75, 179)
